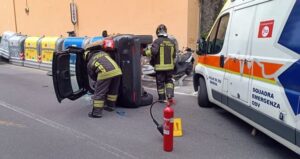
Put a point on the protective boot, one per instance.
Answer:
(169, 96)
(162, 98)
(109, 108)
(110, 105)
(96, 113)
(171, 100)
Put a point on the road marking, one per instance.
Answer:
(10, 123)
(179, 93)
(103, 146)
(21, 68)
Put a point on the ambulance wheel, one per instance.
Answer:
(202, 94)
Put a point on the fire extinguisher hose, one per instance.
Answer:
(158, 126)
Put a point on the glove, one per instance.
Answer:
(144, 51)
(147, 51)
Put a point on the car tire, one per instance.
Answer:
(202, 94)
(146, 99)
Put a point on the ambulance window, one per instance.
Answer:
(212, 38)
(217, 36)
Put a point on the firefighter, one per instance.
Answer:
(104, 33)
(163, 53)
(107, 74)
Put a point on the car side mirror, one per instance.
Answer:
(201, 46)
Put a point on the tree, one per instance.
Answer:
(209, 12)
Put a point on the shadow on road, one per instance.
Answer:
(3, 61)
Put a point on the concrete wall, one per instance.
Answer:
(6, 16)
(52, 17)
(46, 17)
(133, 16)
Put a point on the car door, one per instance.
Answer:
(65, 84)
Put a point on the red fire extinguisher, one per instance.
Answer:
(168, 126)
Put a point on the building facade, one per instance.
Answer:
(53, 17)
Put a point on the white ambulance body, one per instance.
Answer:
(250, 65)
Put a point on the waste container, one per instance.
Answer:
(4, 52)
(96, 38)
(32, 52)
(16, 49)
(47, 48)
(80, 42)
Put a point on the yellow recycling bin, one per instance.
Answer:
(32, 52)
(49, 45)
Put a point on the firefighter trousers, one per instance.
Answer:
(106, 91)
(165, 85)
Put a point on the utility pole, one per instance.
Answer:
(74, 16)
(15, 16)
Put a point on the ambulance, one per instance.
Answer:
(249, 64)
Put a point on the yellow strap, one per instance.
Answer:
(161, 91)
(112, 98)
(172, 53)
(98, 103)
(85, 55)
(116, 66)
(109, 74)
(99, 66)
(104, 74)
(170, 85)
(162, 54)
(148, 52)
(96, 64)
(160, 67)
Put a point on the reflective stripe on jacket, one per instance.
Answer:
(163, 54)
(103, 66)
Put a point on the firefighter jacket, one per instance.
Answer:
(163, 53)
(100, 65)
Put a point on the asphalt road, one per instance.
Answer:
(34, 125)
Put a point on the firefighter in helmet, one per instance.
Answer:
(107, 74)
(163, 53)
(104, 34)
